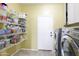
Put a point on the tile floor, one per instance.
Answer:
(35, 53)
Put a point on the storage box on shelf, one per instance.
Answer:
(22, 23)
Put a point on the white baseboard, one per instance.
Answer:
(15, 52)
(29, 49)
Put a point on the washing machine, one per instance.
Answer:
(62, 42)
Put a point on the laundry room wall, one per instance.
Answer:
(14, 6)
(33, 11)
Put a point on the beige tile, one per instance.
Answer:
(35, 53)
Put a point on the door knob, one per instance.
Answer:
(51, 34)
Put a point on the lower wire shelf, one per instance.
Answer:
(11, 45)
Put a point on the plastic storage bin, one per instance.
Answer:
(2, 44)
(2, 32)
(7, 42)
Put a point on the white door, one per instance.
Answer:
(45, 28)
